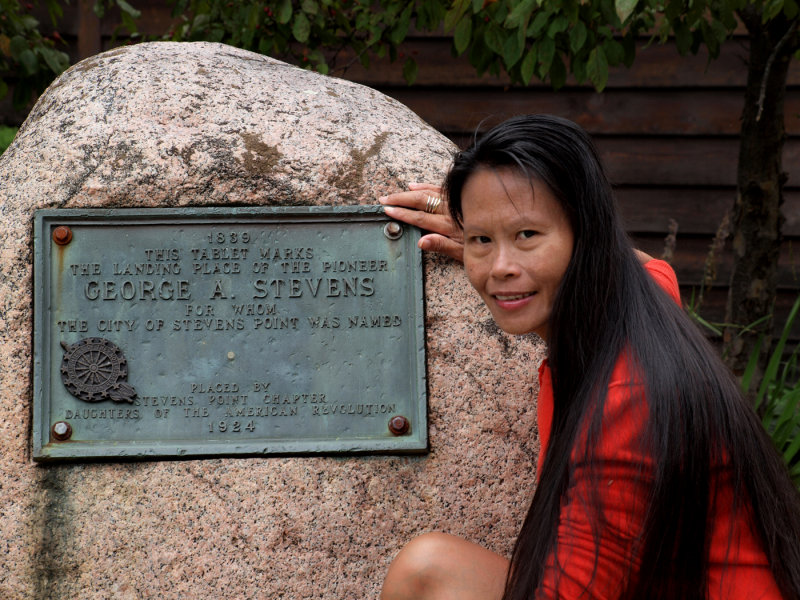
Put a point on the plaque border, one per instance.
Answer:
(46, 449)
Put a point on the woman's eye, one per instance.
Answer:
(527, 233)
(480, 239)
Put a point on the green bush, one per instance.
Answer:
(6, 137)
(777, 400)
(28, 60)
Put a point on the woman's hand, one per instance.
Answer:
(410, 207)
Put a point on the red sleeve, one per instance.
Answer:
(664, 276)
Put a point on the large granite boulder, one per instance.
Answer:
(167, 124)
(202, 124)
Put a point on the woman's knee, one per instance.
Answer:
(420, 568)
(437, 566)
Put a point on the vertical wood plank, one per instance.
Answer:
(89, 40)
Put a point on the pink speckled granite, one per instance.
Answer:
(203, 124)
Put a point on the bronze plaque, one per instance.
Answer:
(227, 331)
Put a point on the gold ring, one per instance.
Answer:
(432, 204)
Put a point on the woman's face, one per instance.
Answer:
(517, 245)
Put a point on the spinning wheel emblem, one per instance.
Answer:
(95, 369)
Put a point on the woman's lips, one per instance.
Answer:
(512, 301)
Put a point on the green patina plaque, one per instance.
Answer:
(226, 331)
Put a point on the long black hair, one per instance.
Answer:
(607, 306)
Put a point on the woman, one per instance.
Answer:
(656, 479)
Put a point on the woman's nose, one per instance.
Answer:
(505, 263)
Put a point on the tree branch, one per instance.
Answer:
(792, 29)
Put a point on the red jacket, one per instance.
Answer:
(738, 570)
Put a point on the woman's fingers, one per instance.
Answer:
(426, 187)
(433, 242)
(423, 206)
(420, 197)
(435, 223)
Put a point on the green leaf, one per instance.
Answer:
(788, 415)
(30, 65)
(284, 12)
(127, 8)
(597, 68)
(29, 22)
(265, 45)
(462, 34)
(539, 21)
(217, 34)
(301, 28)
(512, 51)
(571, 10)
(7, 134)
(480, 56)
(559, 24)
(673, 10)
(430, 15)
(752, 365)
(477, 5)
(375, 35)
(200, 21)
(499, 10)
(526, 68)
(99, 9)
(683, 38)
(23, 91)
(410, 70)
(519, 14)
(253, 16)
(614, 52)
(794, 473)
(577, 37)
(777, 354)
(792, 451)
(710, 326)
(310, 7)
(624, 8)
(547, 50)
(17, 46)
(771, 10)
(453, 16)
(719, 30)
(608, 15)
(710, 40)
(494, 39)
(629, 47)
(558, 73)
(578, 69)
(400, 30)
(57, 61)
(129, 23)
(55, 11)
